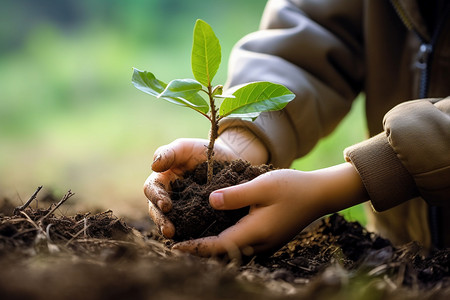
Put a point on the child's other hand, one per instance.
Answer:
(282, 202)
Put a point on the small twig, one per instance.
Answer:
(400, 275)
(82, 220)
(106, 212)
(47, 231)
(61, 202)
(85, 227)
(103, 241)
(23, 232)
(17, 210)
(77, 234)
(30, 220)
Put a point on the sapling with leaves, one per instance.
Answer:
(246, 102)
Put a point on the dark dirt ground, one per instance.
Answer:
(48, 255)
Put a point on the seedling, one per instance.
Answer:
(246, 102)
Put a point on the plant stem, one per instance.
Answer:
(213, 133)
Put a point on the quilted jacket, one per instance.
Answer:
(397, 53)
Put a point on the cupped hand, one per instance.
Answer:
(170, 162)
(282, 202)
(279, 208)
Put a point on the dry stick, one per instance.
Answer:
(47, 231)
(30, 220)
(85, 227)
(17, 210)
(23, 232)
(105, 212)
(77, 234)
(61, 202)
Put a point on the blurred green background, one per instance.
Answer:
(70, 117)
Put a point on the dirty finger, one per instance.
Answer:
(157, 192)
(165, 226)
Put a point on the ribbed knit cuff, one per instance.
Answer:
(387, 181)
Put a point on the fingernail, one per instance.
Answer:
(163, 206)
(158, 157)
(216, 200)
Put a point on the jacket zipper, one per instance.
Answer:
(426, 47)
(423, 64)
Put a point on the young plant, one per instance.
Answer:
(247, 102)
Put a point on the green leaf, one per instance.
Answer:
(147, 82)
(206, 53)
(181, 88)
(218, 90)
(253, 98)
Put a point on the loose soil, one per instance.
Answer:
(192, 215)
(47, 255)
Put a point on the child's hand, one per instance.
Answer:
(282, 203)
(171, 161)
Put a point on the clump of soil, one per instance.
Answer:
(31, 231)
(331, 239)
(332, 253)
(192, 215)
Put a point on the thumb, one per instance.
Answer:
(163, 158)
(242, 195)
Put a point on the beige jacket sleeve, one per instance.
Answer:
(313, 49)
(410, 158)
